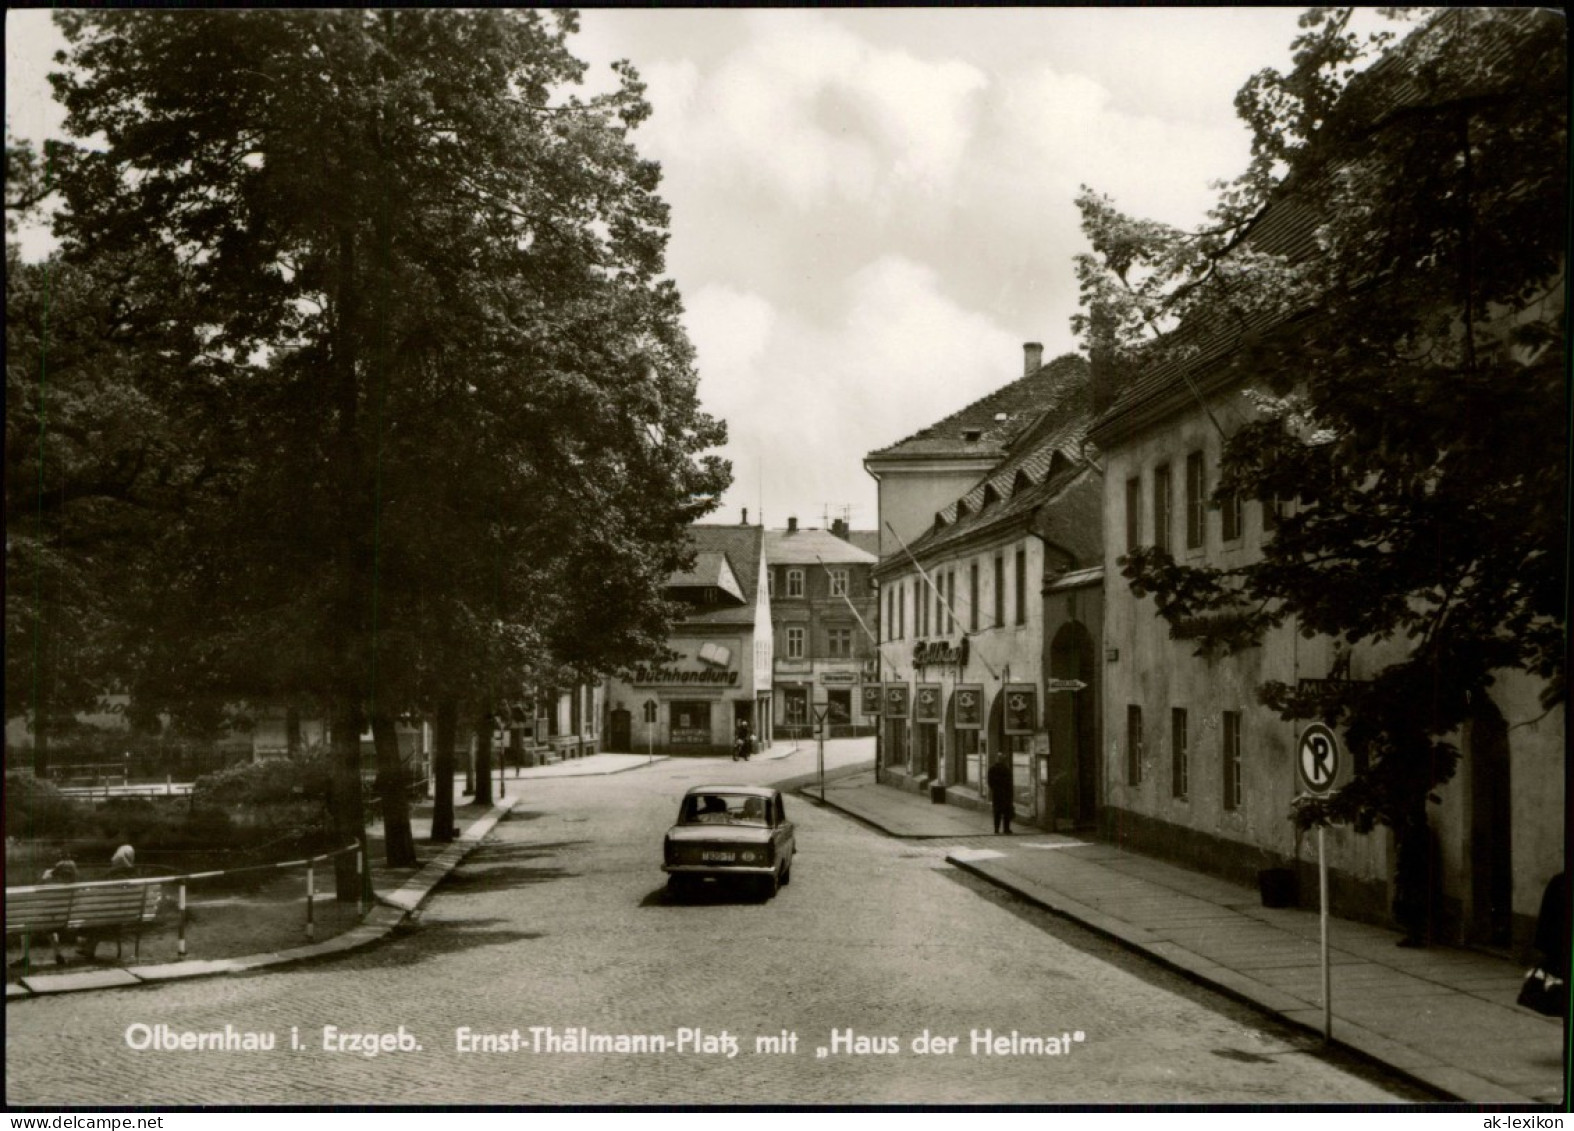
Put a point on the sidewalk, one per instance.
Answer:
(1444, 1017)
(398, 892)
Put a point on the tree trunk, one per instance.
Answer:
(392, 788)
(443, 829)
(483, 760)
(345, 802)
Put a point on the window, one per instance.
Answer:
(796, 702)
(1133, 513)
(795, 583)
(950, 600)
(1000, 591)
(1021, 586)
(901, 610)
(1196, 501)
(1232, 759)
(838, 582)
(923, 614)
(770, 583)
(972, 597)
(795, 643)
(1180, 771)
(839, 643)
(1161, 507)
(1272, 511)
(1133, 744)
(1232, 520)
(939, 603)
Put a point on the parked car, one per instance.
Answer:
(730, 833)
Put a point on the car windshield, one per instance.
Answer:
(720, 808)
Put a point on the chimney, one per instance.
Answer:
(792, 525)
(745, 516)
(1032, 358)
(839, 528)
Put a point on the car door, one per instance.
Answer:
(784, 832)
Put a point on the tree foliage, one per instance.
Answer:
(440, 385)
(1407, 366)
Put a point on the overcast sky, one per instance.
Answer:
(872, 209)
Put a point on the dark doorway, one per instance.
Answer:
(621, 731)
(1073, 738)
(1491, 828)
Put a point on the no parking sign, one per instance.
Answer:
(1317, 758)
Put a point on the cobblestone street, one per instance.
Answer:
(561, 921)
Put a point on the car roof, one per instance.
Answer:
(751, 790)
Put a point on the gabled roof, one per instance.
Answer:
(1045, 460)
(711, 570)
(811, 546)
(739, 547)
(987, 427)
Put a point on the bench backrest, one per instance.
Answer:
(40, 909)
(96, 906)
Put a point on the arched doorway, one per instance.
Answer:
(1073, 734)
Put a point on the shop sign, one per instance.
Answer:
(969, 699)
(871, 699)
(940, 652)
(1021, 708)
(926, 708)
(896, 700)
(838, 677)
(675, 677)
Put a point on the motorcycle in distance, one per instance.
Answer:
(743, 746)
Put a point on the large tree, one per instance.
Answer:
(1409, 359)
(427, 280)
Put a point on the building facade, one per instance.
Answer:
(720, 671)
(823, 619)
(990, 612)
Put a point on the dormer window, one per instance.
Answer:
(972, 435)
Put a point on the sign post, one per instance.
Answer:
(1317, 759)
(650, 731)
(821, 711)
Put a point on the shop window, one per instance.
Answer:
(796, 701)
(690, 723)
(1232, 759)
(839, 707)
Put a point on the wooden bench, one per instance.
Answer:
(57, 908)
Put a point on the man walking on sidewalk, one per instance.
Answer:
(999, 779)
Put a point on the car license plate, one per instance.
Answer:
(719, 857)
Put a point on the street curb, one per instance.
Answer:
(388, 912)
(1448, 1081)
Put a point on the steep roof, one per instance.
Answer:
(808, 546)
(996, 420)
(1045, 459)
(711, 570)
(740, 548)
